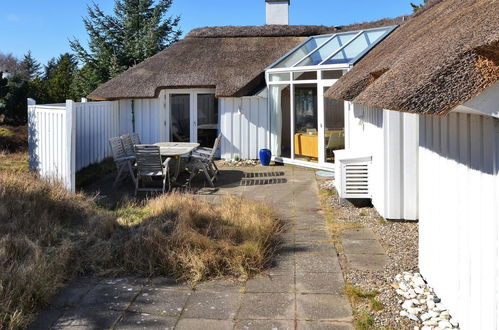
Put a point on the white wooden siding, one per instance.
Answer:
(459, 214)
(145, 118)
(392, 139)
(244, 124)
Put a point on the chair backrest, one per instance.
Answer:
(135, 138)
(148, 158)
(128, 144)
(216, 145)
(117, 148)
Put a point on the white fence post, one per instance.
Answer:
(32, 134)
(70, 146)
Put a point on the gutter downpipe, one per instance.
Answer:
(133, 116)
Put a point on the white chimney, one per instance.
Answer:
(277, 11)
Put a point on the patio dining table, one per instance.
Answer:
(175, 150)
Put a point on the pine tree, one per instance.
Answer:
(60, 78)
(136, 30)
(29, 67)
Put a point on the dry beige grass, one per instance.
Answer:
(48, 235)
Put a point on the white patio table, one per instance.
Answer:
(175, 150)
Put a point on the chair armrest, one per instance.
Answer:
(166, 162)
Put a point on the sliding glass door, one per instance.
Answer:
(306, 127)
(192, 116)
(180, 122)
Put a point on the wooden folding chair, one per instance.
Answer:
(149, 164)
(121, 159)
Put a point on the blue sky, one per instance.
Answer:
(44, 26)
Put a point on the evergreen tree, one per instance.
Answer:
(13, 102)
(59, 78)
(29, 67)
(136, 30)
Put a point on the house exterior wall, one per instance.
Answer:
(459, 214)
(244, 124)
(392, 139)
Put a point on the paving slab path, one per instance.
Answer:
(302, 290)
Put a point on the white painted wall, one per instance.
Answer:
(244, 124)
(145, 119)
(391, 138)
(459, 214)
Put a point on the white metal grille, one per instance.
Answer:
(355, 179)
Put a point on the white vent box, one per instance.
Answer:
(352, 174)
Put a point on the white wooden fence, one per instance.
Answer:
(64, 138)
(52, 141)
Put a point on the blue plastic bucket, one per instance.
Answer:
(265, 156)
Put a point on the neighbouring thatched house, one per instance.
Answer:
(214, 81)
(436, 157)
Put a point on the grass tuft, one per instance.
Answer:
(47, 236)
(363, 320)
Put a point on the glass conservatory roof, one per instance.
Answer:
(339, 48)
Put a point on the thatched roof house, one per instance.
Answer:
(231, 59)
(442, 57)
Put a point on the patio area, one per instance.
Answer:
(301, 290)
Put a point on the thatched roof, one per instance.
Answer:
(231, 59)
(443, 56)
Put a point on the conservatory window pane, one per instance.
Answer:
(356, 47)
(279, 77)
(310, 75)
(301, 52)
(322, 53)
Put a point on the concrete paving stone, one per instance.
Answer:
(281, 266)
(267, 306)
(116, 294)
(146, 321)
(362, 246)
(203, 324)
(317, 264)
(46, 319)
(358, 234)
(88, 318)
(271, 283)
(312, 235)
(318, 248)
(212, 305)
(168, 283)
(320, 283)
(265, 325)
(73, 292)
(312, 223)
(323, 325)
(367, 261)
(323, 307)
(160, 301)
(222, 285)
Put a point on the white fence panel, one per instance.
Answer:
(96, 122)
(244, 124)
(459, 214)
(51, 142)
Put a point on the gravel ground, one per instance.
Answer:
(234, 163)
(400, 240)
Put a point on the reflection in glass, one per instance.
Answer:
(302, 51)
(207, 119)
(305, 130)
(280, 120)
(322, 53)
(180, 119)
(334, 124)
